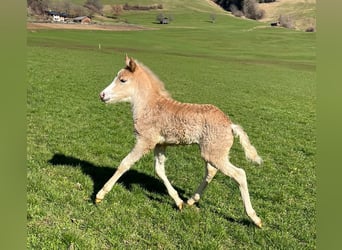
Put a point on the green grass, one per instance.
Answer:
(264, 79)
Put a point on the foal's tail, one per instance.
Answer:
(249, 149)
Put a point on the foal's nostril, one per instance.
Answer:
(102, 95)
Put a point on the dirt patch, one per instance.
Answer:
(119, 27)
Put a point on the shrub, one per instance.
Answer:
(94, 6)
(285, 21)
(38, 6)
(116, 10)
(251, 10)
(311, 25)
(77, 10)
(160, 17)
(310, 29)
(266, 1)
(213, 17)
(142, 7)
(235, 11)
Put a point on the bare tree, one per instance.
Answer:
(94, 6)
(77, 10)
(285, 21)
(66, 6)
(235, 11)
(38, 6)
(116, 10)
(213, 17)
(251, 10)
(160, 17)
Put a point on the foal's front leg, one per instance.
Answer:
(138, 151)
(159, 155)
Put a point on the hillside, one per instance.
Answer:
(297, 14)
(168, 5)
(139, 12)
(300, 13)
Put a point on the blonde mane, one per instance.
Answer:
(154, 80)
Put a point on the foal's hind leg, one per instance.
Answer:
(210, 172)
(159, 154)
(239, 176)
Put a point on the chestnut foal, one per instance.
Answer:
(160, 121)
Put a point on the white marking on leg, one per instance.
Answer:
(239, 175)
(160, 158)
(138, 151)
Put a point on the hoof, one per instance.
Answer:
(259, 224)
(97, 200)
(191, 202)
(180, 205)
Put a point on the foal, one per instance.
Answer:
(160, 121)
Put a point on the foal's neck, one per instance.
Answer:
(149, 92)
(145, 103)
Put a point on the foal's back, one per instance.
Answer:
(185, 123)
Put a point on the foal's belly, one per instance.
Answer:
(179, 136)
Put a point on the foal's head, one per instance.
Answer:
(122, 88)
(135, 80)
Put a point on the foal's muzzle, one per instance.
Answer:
(103, 96)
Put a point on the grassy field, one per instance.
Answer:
(263, 78)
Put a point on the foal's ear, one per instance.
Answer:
(130, 63)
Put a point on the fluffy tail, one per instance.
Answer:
(250, 151)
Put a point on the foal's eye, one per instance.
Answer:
(123, 80)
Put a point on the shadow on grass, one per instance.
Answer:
(241, 221)
(101, 174)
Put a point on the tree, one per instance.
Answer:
(251, 10)
(285, 21)
(227, 4)
(94, 6)
(77, 10)
(235, 11)
(60, 6)
(213, 17)
(116, 10)
(38, 6)
(160, 17)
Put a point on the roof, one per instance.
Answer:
(80, 18)
(56, 13)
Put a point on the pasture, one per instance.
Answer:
(263, 78)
